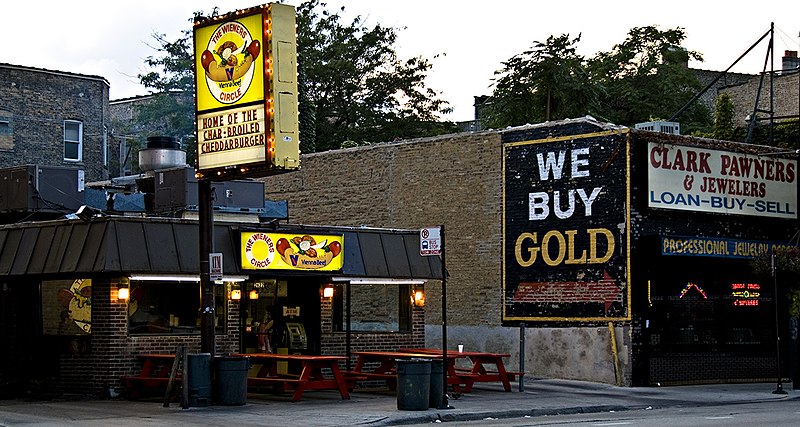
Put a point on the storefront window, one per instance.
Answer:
(716, 308)
(373, 308)
(169, 307)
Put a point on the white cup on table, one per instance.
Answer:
(460, 348)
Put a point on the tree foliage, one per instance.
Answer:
(643, 78)
(549, 81)
(646, 77)
(170, 111)
(355, 86)
(723, 117)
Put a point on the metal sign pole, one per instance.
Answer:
(779, 389)
(206, 220)
(445, 403)
(521, 355)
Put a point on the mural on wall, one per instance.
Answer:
(67, 307)
(565, 228)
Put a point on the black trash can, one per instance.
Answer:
(437, 385)
(413, 384)
(198, 381)
(231, 379)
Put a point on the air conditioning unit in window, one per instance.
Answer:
(673, 128)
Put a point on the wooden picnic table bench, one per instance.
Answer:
(311, 375)
(153, 377)
(386, 365)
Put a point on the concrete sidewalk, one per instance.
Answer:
(379, 407)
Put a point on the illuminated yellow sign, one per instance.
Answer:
(274, 251)
(246, 86)
(229, 63)
(231, 137)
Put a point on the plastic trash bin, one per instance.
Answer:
(231, 379)
(198, 381)
(413, 384)
(436, 399)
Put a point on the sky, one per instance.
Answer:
(465, 40)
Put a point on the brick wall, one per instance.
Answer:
(452, 180)
(113, 351)
(709, 98)
(698, 368)
(36, 102)
(744, 96)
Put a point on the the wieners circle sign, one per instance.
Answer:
(228, 62)
(259, 250)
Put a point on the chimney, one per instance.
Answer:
(790, 61)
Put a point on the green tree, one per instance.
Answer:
(356, 87)
(547, 82)
(646, 76)
(170, 111)
(723, 117)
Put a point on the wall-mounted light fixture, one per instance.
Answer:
(123, 294)
(327, 292)
(236, 294)
(418, 298)
(253, 294)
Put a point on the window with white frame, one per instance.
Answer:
(73, 140)
(104, 147)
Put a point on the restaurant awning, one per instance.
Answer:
(108, 245)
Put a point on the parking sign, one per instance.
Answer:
(430, 241)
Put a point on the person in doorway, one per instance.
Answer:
(263, 334)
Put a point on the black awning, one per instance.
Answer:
(109, 245)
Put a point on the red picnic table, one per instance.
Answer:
(479, 371)
(154, 376)
(385, 365)
(311, 375)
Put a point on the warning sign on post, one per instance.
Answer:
(215, 266)
(430, 241)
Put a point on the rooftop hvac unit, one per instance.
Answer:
(176, 190)
(32, 188)
(673, 128)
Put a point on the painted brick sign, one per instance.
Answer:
(565, 234)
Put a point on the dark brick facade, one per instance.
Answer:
(34, 103)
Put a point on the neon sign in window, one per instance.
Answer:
(691, 285)
(745, 294)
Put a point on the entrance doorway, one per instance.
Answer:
(281, 315)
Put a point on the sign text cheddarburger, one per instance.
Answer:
(698, 179)
(222, 133)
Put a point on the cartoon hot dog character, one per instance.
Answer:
(305, 252)
(224, 64)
